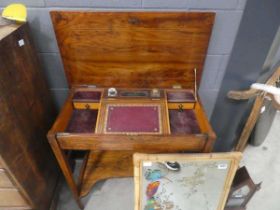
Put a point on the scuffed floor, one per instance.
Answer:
(263, 164)
(115, 194)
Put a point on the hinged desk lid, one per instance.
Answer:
(133, 49)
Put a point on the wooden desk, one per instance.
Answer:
(133, 52)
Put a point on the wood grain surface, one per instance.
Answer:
(133, 49)
(27, 113)
(136, 143)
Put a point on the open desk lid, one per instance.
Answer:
(133, 49)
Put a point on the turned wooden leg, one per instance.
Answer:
(66, 170)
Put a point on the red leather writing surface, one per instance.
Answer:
(133, 119)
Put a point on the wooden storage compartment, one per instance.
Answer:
(10, 195)
(10, 198)
(177, 95)
(5, 181)
(181, 111)
(86, 104)
(181, 107)
(183, 122)
(87, 99)
(181, 99)
(82, 121)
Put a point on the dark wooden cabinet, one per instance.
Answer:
(29, 170)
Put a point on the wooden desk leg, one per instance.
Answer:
(209, 144)
(66, 170)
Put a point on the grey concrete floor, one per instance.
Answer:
(263, 164)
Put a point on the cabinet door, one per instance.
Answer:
(26, 115)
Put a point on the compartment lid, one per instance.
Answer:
(133, 49)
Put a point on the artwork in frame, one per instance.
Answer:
(183, 181)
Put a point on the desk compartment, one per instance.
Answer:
(86, 104)
(12, 198)
(86, 99)
(181, 109)
(82, 121)
(93, 96)
(180, 96)
(183, 122)
(5, 181)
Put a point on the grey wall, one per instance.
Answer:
(228, 16)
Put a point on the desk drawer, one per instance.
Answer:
(180, 105)
(86, 105)
(5, 181)
(11, 198)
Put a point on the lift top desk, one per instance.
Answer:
(134, 79)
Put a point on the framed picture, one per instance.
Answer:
(183, 181)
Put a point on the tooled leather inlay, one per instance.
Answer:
(133, 119)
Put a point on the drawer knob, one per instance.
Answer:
(180, 106)
(87, 106)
